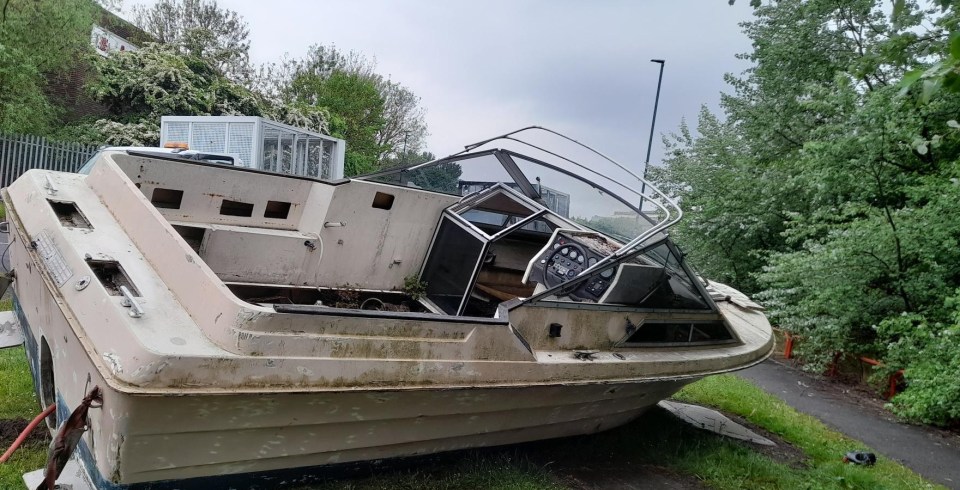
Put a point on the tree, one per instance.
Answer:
(735, 208)
(201, 28)
(356, 108)
(830, 189)
(443, 177)
(404, 129)
(141, 86)
(38, 39)
(395, 116)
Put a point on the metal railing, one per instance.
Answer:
(19, 153)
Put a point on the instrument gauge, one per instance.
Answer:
(573, 254)
(607, 273)
(564, 250)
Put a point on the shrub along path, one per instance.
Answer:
(932, 453)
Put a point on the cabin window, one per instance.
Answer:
(112, 276)
(236, 208)
(166, 198)
(276, 210)
(382, 200)
(449, 269)
(69, 215)
(680, 333)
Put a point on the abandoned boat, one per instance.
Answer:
(244, 324)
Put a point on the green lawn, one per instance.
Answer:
(18, 402)
(824, 447)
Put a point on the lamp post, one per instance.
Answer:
(656, 102)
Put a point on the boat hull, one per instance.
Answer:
(157, 441)
(141, 440)
(200, 384)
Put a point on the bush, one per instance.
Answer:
(930, 357)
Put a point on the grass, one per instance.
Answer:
(823, 446)
(18, 402)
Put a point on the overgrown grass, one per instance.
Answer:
(824, 446)
(18, 402)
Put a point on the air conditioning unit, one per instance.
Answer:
(259, 143)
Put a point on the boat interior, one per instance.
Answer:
(425, 238)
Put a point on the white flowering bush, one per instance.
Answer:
(139, 87)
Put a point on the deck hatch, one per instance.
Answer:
(166, 198)
(236, 208)
(69, 214)
(276, 210)
(112, 276)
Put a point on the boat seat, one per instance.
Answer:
(254, 255)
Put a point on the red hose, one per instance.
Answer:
(26, 432)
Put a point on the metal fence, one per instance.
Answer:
(19, 153)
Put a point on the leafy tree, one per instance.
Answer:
(202, 29)
(444, 177)
(734, 207)
(395, 117)
(356, 109)
(929, 352)
(830, 188)
(404, 129)
(38, 39)
(157, 80)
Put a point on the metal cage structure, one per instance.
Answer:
(259, 143)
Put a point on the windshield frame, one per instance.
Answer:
(671, 212)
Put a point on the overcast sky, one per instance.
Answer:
(486, 67)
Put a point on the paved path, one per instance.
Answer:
(933, 454)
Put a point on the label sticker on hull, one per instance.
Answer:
(59, 271)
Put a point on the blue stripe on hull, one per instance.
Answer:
(29, 345)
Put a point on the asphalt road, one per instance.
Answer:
(932, 453)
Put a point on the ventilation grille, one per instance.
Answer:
(240, 142)
(178, 132)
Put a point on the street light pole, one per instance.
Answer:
(656, 102)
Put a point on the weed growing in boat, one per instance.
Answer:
(347, 296)
(414, 287)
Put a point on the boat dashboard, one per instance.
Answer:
(570, 253)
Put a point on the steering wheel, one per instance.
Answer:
(565, 263)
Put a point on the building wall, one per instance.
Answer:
(67, 88)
